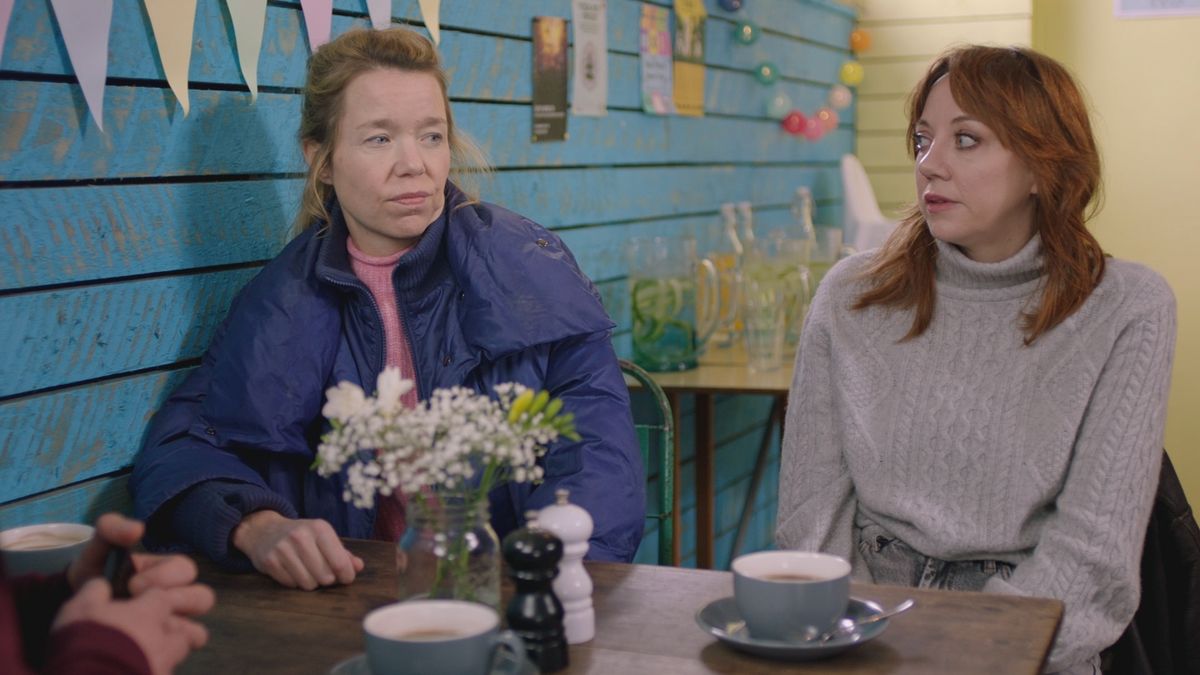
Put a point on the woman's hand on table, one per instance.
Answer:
(303, 553)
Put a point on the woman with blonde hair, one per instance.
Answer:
(394, 265)
(979, 404)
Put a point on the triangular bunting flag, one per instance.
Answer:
(5, 13)
(173, 21)
(84, 26)
(429, 12)
(318, 14)
(381, 13)
(249, 17)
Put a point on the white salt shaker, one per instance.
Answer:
(573, 586)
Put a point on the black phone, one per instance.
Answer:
(118, 568)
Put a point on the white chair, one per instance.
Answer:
(864, 224)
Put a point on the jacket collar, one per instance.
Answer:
(415, 271)
(492, 323)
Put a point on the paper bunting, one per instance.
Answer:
(173, 21)
(318, 16)
(429, 12)
(84, 26)
(5, 13)
(381, 13)
(249, 17)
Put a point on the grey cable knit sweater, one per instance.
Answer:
(968, 445)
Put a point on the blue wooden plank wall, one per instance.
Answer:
(120, 250)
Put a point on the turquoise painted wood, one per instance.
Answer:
(75, 334)
(77, 433)
(61, 235)
(43, 136)
(89, 232)
(121, 250)
(79, 502)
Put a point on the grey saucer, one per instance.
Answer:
(722, 619)
(357, 665)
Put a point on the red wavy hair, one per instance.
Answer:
(1037, 112)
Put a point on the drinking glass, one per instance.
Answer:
(827, 249)
(764, 313)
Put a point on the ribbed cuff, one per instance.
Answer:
(208, 513)
(95, 649)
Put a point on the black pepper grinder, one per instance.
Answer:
(535, 612)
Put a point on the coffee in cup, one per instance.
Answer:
(440, 637)
(790, 595)
(46, 548)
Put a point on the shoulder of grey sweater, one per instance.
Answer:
(1132, 291)
(844, 281)
(840, 287)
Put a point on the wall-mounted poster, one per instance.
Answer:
(549, 78)
(655, 47)
(1137, 9)
(589, 84)
(689, 57)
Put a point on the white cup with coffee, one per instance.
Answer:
(440, 637)
(46, 548)
(789, 595)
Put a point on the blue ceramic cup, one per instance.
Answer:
(47, 548)
(440, 637)
(787, 595)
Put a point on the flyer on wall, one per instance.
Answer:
(589, 84)
(549, 78)
(655, 47)
(689, 57)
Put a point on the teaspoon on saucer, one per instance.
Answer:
(849, 626)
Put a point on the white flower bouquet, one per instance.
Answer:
(446, 454)
(445, 443)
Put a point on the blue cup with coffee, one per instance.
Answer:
(441, 637)
(790, 595)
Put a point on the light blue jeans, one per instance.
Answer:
(895, 563)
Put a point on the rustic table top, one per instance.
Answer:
(644, 624)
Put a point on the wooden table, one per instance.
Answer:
(644, 624)
(721, 371)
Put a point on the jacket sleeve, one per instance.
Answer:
(215, 449)
(35, 601)
(27, 646)
(816, 494)
(1089, 554)
(90, 648)
(603, 471)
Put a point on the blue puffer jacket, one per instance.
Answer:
(486, 296)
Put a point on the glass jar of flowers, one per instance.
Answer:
(441, 458)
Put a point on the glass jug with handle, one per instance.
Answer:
(663, 274)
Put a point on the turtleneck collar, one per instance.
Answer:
(1013, 277)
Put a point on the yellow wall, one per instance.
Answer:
(906, 35)
(1142, 78)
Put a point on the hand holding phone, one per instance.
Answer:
(118, 569)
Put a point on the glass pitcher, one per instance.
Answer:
(783, 262)
(663, 274)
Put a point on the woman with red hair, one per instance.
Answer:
(979, 404)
